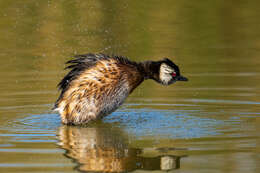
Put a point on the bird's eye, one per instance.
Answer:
(173, 74)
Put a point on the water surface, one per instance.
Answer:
(209, 124)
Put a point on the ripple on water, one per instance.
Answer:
(137, 122)
(46, 123)
(32, 128)
(164, 123)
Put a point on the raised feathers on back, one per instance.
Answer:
(84, 62)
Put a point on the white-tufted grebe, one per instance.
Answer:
(98, 84)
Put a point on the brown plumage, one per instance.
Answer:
(98, 84)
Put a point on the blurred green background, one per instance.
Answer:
(216, 44)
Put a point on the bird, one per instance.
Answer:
(97, 84)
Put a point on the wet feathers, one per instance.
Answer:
(96, 85)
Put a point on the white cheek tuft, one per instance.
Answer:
(165, 74)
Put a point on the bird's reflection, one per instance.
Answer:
(101, 148)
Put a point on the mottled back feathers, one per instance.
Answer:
(96, 85)
(84, 62)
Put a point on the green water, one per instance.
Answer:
(209, 124)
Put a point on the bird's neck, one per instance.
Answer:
(149, 69)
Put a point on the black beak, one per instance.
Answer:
(181, 78)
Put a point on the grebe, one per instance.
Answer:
(98, 84)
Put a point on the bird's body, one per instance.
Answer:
(98, 84)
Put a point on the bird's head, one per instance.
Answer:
(169, 72)
(164, 72)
